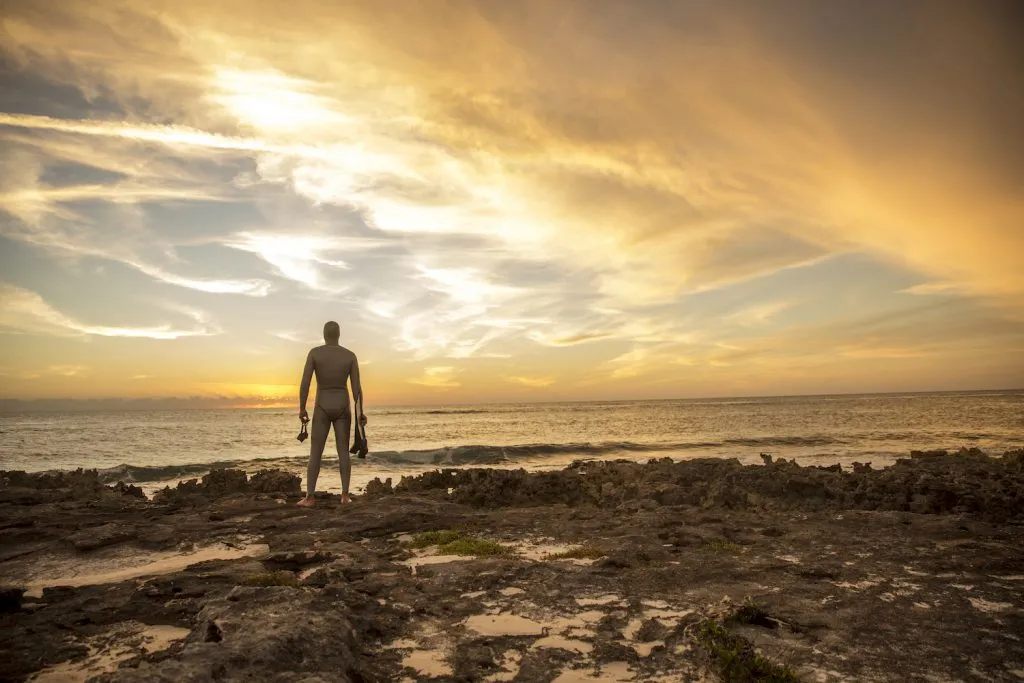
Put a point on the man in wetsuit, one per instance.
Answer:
(334, 366)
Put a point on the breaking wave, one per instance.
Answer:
(455, 456)
(142, 473)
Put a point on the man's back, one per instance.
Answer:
(333, 365)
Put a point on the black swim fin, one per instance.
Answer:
(360, 447)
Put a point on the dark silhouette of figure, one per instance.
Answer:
(334, 366)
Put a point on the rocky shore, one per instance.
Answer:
(607, 570)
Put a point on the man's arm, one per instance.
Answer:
(357, 388)
(307, 377)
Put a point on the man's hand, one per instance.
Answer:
(303, 415)
(362, 420)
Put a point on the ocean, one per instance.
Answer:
(154, 449)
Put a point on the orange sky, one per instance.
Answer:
(511, 201)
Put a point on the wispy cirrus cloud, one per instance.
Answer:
(759, 314)
(533, 382)
(934, 288)
(169, 135)
(79, 371)
(567, 339)
(304, 258)
(25, 311)
(37, 200)
(506, 199)
(45, 220)
(250, 287)
(437, 377)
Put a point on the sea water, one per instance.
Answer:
(154, 448)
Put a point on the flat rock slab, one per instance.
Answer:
(840, 594)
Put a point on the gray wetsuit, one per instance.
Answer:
(334, 366)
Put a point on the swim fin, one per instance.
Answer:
(360, 447)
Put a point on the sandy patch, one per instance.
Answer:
(106, 651)
(132, 565)
(428, 662)
(429, 556)
(563, 643)
(503, 625)
(609, 599)
(612, 671)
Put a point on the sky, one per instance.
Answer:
(511, 201)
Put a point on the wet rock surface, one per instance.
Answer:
(609, 571)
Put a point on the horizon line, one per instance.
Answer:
(251, 403)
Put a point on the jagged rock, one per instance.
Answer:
(222, 482)
(275, 481)
(929, 454)
(935, 482)
(377, 488)
(869, 595)
(77, 485)
(129, 490)
(225, 482)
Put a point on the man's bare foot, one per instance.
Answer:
(345, 499)
(306, 502)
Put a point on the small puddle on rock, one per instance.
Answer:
(494, 625)
(599, 600)
(430, 556)
(132, 566)
(540, 550)
(580, 620)
(563, 643)
(657, 604)
(611, 671)
(632, 628)
(427, 651)
(106, 651)
(428, 662)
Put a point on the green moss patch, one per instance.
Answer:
(458, 543)
(720, 545)
(429, 538)
(584, 552)
(735, 660)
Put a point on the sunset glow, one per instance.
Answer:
(509, 201)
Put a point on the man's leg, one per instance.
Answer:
(321, 424)
(342, 430)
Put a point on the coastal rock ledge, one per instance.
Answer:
(667, 570)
